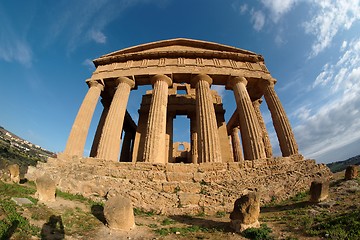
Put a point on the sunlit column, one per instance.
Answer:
(251, 138)
(208, 135)
(281, 123)
(265, 135)
(236, 145)
(109, 146)
(79, 131)
(154, 150)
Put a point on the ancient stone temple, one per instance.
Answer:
(208, 173)
(191, 66)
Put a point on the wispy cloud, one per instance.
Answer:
(331, 16)
(257, 19)
(336, 123)
(278, 8)
(89, 64)
(98, 36)
(12, 47)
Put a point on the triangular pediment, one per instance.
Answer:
(177, 45)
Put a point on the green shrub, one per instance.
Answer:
(262, 233)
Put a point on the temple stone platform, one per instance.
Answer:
(178, 188)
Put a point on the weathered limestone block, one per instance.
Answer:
(14, 171)
(179, 176)
(119, 213)
(188, 199)
(319, 190)
(246, 212)
(46, 188)
(351, 172)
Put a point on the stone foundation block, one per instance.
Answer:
(188, 199)
(179, 176)
(246, 212)
(119, 213)
(319, 190)
(45, 188)
(351, 172)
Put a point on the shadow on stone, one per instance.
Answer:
(200, 222)
(23, 180)
(10, 231)
(53, 229)
(98, 211)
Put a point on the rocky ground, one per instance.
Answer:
(75, 217)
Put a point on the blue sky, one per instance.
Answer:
(311, 47)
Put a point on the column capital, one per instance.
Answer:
(258, 102)
(201, 76)
(269, 82)
(234, 80)
(95, 83)
(160, 77)
(127, 80)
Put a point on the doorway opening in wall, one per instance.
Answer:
(181, 140)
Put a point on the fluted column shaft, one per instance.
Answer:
(194, 139)
(125, 155)
(109, 146)
(236, 145)
(208, 136)
(154, 150)
(281, 123)
(79, 131)
(95, 144)
(249, 126)
(264, 133)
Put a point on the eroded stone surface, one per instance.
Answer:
(217, 186)
(45, 188)
(14, 172)
(119, 213)
(351, 172)
(246, 212)
(319, 190)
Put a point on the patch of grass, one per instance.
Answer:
(15, 190)
(76, 221)
(152, 225)
(167, 221)
(344, 226)
(14, 223)
(262, 233)
(301, 196)
(220, 214)
(183, 231)
(176, 189)
(140, 212)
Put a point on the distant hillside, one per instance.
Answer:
(14, 149)
(341, 165)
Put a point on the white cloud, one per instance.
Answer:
(243, 9)
(331, 16)
(336, 122)
(257, 19)
(97, 36)
(89, 64)
(278, 7)
(12, 47)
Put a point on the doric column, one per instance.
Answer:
(109, 146)
(281, 123)
(236, 145)
(154, 150)
(208, 135)
(169, 136)
(249, 126)
(194, 139)
(95, 144)
(264, 133)
(79, 131)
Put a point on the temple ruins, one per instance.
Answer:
(221, 159)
